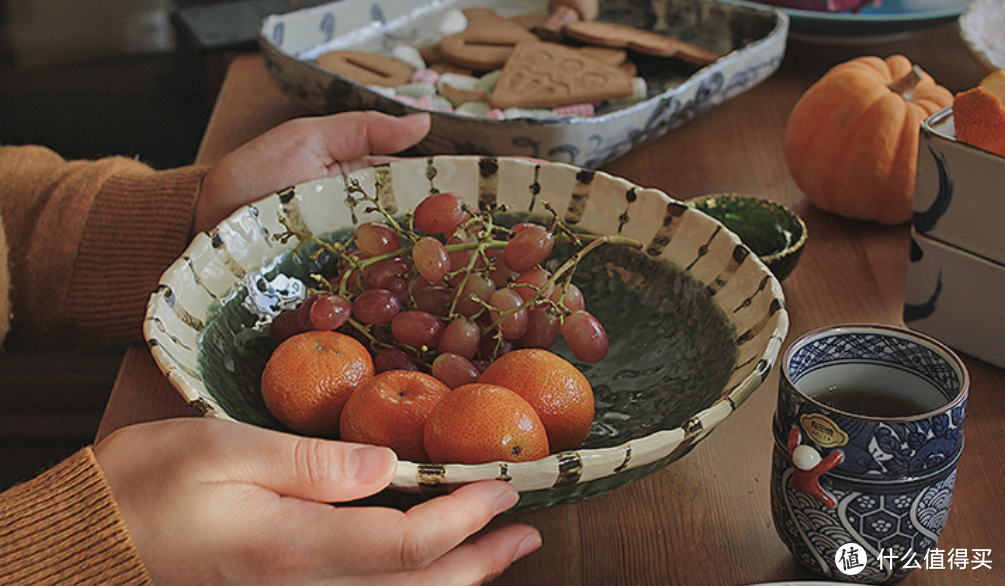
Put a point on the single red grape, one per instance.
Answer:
(375, 238)
(542, 328)
(376, 306)
(329, 312)
(585, 336)
(440, 213)
(478, 285)
(528, 248)
(431, 259)
(434, 299)
(461, 337)
(536, 278)
(382, 272)
(454, 370)
(573, 299)
(393, 359)
(514, 325)
(417, 328)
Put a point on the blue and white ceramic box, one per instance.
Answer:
(956, 275)
(959, 194)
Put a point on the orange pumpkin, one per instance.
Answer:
(851, 142)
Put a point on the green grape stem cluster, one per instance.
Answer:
(447, 289)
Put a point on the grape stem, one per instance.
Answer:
(352, 186)
(567, 266)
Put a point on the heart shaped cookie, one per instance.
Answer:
(540, 74)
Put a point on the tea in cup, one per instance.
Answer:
(868, 433)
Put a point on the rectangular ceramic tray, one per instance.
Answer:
(960, 191)
(957, 297)
(751, 40)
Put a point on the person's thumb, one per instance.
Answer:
(309, 468)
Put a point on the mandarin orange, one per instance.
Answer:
(478, 423)
(557, 390)
(309, 378)
(391, 410)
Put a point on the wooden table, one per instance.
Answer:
(705, 520)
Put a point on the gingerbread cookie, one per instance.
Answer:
(609, 34)
(367, 68)
(609, 55)
(528, 20)
(486, 43)
(540, 74)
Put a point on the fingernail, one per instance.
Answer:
(506, 500)
(367, 464)
(529, 545)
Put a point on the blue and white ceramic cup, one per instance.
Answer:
(868, 433)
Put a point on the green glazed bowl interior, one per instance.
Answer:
(695, 322)
(776, 234)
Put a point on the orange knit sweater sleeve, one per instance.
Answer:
(64, 527)
(85, 245)
(88, 241)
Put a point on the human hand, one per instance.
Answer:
(301, 150)
(208, 501)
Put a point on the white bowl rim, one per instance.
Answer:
(546, 472)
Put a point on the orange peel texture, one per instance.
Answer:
(979, 114)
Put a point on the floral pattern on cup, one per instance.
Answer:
(884, 483)
(880, 447)
(899, 524)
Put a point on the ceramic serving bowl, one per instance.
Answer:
(772, 231)
(752, 41)
(981, 28)
(695, 320)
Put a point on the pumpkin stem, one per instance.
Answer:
(905, 85)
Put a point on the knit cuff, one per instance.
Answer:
(64, 527)
(139, 224)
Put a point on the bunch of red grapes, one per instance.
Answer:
(449, 292)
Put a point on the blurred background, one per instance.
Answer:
(90, 79)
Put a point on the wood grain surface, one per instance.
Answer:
(705, 520)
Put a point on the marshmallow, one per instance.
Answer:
(416, 90)
(457, 80)
(452, 22)
(474, 109)
(536, 113)
(585, 110)
(425, 75)
(488, 81)
(409, 55)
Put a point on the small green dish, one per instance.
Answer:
(776, 234)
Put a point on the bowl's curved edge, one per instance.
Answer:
(782, 262)
(178, 357)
